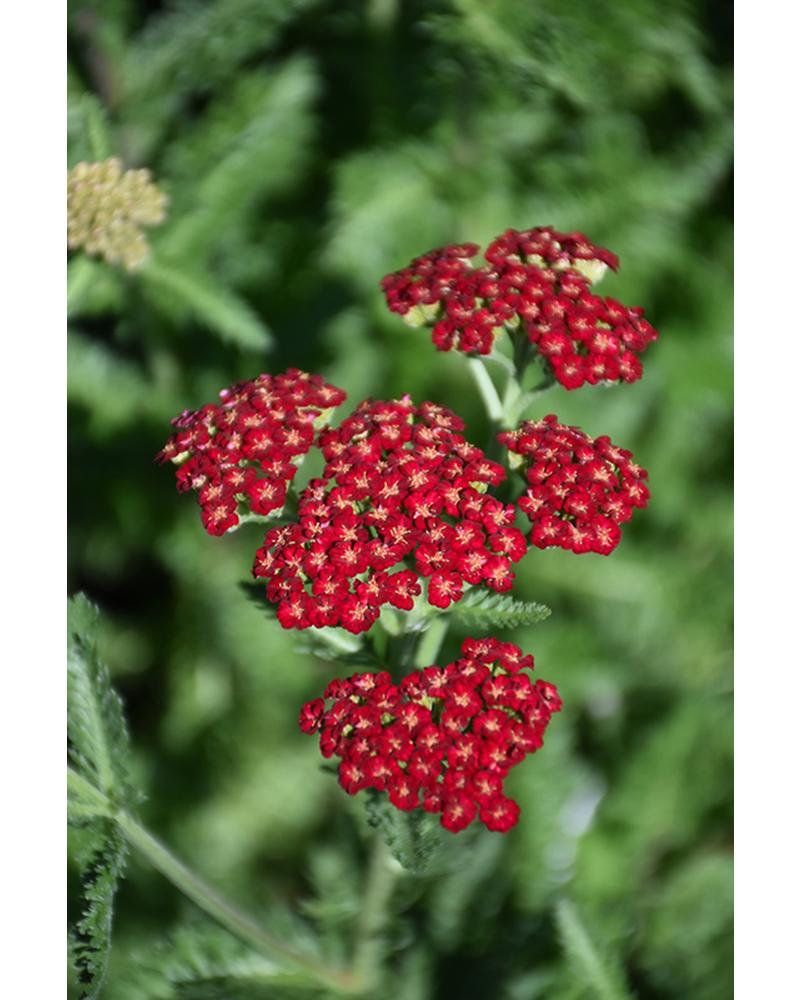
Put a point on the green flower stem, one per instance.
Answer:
(428, 648)
(499, 359)
(523, 353)
(524, 399)
(216, 906)
(403, 652)
(83, 793)
(494, 408)
(512, 396)
(206, 897)
(506, 412)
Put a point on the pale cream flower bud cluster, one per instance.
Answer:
(106, 208)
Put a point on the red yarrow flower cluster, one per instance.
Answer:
(444, 738)
(429, 279)
(536, 282)
(403, 496)
(581, 489)
(240, 454)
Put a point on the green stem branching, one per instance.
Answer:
(506, 411)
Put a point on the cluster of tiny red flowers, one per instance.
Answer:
(444, 738)
(537, 282)
(581, 489)
(243, 450)
(403, 496)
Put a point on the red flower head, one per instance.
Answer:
(534, 284)
(428, 278)
(241, 452)
(444, 738)
(403, 496)
(581, 489)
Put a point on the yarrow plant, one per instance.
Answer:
(408, 517)
(381, 532)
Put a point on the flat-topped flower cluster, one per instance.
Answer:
(402, 497)
(240, 453)
(581, 489)
(444, 738)
(404, 505)
(535, 284)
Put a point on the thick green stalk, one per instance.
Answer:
(428, 648)
(511, 396)
(216, 906)
(488, 393)
(81, 790)
(205, 896)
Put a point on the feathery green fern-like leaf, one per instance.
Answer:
(101, 862)
(265, 127)
(200, 961)
(98, 751)
(488, 609)
(97, 734)
(193, 46)
(417, 839)
(88, 131)
(335, 645)
(195, 294)
(592, 965)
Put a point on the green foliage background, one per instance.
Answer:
(308, 147)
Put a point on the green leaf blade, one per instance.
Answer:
(101, 862)
(98, 749)
(96, 730)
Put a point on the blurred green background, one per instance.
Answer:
(307, 148)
